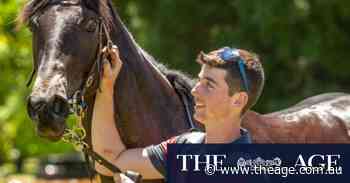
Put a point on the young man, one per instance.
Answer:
(230, 83)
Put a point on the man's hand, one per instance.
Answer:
(127, 177)
(106, 140)
(111, 67)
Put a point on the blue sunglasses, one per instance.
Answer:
(232, 55)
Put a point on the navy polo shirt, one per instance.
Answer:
(158, 153)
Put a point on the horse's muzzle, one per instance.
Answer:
(50, 114)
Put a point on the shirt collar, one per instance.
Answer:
(244, 138)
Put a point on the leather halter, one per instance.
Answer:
(78, 104)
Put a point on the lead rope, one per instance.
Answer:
(76, 135)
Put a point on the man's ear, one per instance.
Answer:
(240, 99)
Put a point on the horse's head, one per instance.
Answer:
(65, 46)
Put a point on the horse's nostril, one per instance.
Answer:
(34, 106)
(30, 110)
(60, 106)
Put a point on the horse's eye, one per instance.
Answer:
(91, 26)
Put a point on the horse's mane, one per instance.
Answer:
(174, 76)
(179, 80)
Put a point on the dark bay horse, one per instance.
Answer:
(67, 38)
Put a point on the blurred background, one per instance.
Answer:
(303, 45)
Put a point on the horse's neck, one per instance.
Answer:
(145, 102)
(137, 62)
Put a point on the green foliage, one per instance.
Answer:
(302, 43)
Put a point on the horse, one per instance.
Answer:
(152, 103)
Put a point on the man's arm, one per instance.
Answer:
(106, 140)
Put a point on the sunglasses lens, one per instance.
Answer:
(226, 55)
(229, 54)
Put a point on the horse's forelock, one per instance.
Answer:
(100, 7)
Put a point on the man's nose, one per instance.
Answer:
(194, 90)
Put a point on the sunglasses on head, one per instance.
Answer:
(232, 55)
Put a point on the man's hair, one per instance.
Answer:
(253, 69)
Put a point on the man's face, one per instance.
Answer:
(211, 94)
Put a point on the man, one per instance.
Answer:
(230, 83)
